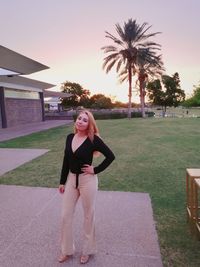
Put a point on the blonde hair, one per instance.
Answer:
(92, 127)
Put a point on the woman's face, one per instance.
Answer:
(82, 122)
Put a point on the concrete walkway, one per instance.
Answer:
(12, 158)
(29, 128)
(30, 227)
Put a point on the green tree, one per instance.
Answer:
(100, 101)
(119, 104)
(166, 94)
(132, 39)
(77, 91)
(85, 101)
(193, 101)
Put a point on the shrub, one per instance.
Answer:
(150, 114)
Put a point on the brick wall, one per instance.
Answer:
(21, 111)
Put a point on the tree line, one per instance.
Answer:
(164, 92)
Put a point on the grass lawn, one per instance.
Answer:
(151, 156)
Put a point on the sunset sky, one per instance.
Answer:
(68, 35)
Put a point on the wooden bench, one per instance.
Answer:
(197, 207)
(192, 197)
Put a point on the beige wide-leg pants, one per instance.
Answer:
(87, 189)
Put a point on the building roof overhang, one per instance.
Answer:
(48, 93)
(12, 61)
(22, 83)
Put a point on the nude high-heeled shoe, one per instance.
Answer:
(63, 258)
(84, 259)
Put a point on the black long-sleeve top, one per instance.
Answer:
(74, 161)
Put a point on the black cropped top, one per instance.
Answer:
(74, 161)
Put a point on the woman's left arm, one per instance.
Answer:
(105, 150)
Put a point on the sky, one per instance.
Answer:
(68, 36)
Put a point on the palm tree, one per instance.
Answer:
(147, 64)
(132, 38)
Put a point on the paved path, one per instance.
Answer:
(30, 226)
(29, 128)
(12, 158)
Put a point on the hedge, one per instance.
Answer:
(119, 115)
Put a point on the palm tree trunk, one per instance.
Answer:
(142, 98)
(141, 78)
(164, 108)
(129, 92)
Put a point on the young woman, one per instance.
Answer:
(79, 178)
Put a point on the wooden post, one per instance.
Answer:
(42, 105)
